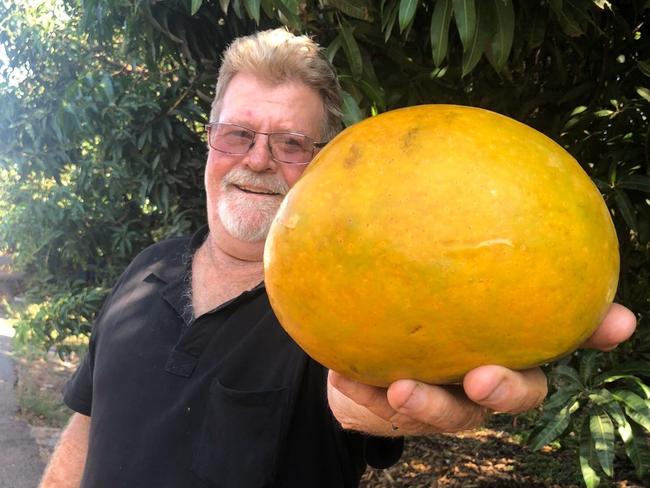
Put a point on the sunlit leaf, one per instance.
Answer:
(635, 407)
(602, 432)
(643, 93)
(637, 449)
(588, 459)
(552, 429)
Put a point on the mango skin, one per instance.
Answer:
(427, 241)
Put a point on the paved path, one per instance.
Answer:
(20, 463)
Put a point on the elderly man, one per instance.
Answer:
(190, 381)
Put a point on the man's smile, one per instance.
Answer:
(255, 190)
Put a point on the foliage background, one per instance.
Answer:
(102, 104)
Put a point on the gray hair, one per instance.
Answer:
(277, 56)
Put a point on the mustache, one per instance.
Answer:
(267, 182)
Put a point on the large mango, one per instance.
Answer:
(427, 241)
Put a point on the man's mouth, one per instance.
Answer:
(255, 190)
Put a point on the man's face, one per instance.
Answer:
(245, 191)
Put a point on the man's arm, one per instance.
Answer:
(66, 465)
(415, 408)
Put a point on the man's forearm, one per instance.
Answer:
(66, 465)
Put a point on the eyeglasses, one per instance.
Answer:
(285, 147)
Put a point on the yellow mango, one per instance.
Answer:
(430, 240)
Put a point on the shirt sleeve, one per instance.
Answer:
(78, 391)
(383, 452)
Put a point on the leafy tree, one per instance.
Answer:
(102, 108)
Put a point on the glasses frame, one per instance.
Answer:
(316, 145)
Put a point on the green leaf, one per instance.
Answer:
(407, 10)
(560, 399)
(644, 66)
(107, 87)
(602, 432)
(236, 7)
(289, 11)
(333, 48)
(637, 449)
(352, 51)
(587, 453)
(569, 25)
(472, 53)
(606, 400)
(643, 93)
(374, 92)
(635, 182)
(637, 367)
(466, 20)
(643, 388)
(635, 407)
(603, 113)
(566, 373)
(359, 9)
(553, 428)
(537, 29)
(253, 9)
(588, 365)
(440, 21)
(195, 6)
(626, 207)
(390, 23)
(502, 41)
(351, 112)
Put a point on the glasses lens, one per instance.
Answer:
(231, 139)
(291, 148)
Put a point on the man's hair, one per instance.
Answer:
(277, 56)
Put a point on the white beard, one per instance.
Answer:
(248, 217)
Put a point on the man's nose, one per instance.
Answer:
(259, 157)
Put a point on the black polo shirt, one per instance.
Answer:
(226, 400)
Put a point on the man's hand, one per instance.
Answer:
(410, 407)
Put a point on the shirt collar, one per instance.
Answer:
(169, 268)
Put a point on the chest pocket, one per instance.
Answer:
(241, 437)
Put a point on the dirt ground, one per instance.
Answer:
(484, 458)
(491, 457)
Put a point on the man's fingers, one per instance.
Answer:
(371, 397)
(618, 325)
(503, 390)
(442, 409)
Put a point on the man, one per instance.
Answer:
(189, 379)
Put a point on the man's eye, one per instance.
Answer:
(293, 144)
(240, 133)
